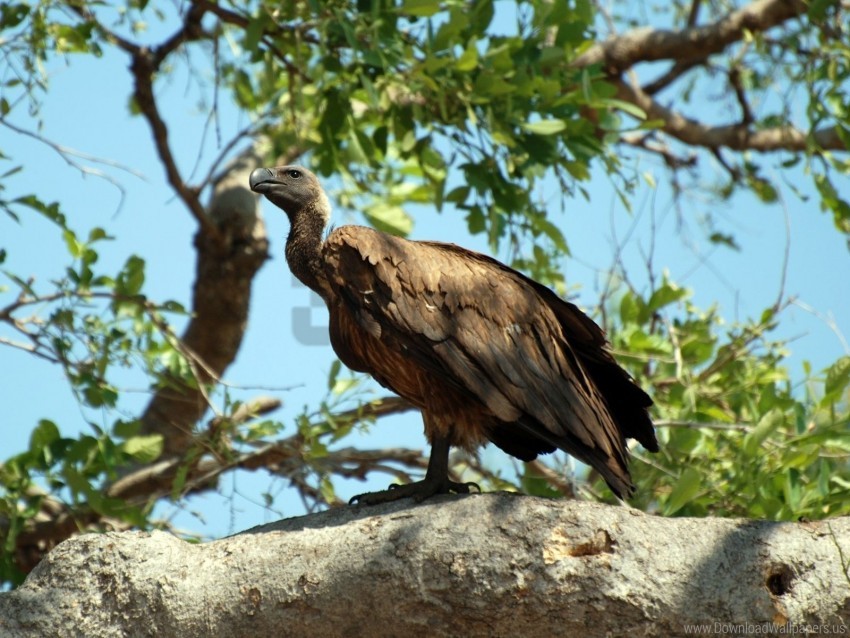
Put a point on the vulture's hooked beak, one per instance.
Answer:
(261, 180)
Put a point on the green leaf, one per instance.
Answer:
(75, 247)
(74, 38)
(144, 448)
(724, 239)
(389, 218)
(99, 394)
(625, 107)
(51, 211)
(179, 481)
(45, 433)
(475, 221)
(11, 15)
(97, 234)
(341, 386)
(254, 31)
(421, 8)
(132, 276)
(837, 378)
(770, 422)
(632, 308)
(173, 306)
(458, 195)
(792, 489)
(336, 366)
(469, 59)
(326, 489)
(684, 491)
(76, 481)
(545, 127)
(552, 232)
(261, 430)
(817, 9)
(126, 429)
(830, 200)
(763, 189)
(640, 341)
(665, 295)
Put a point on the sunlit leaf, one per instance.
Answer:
(144, 448)
(545, 127)
(685, 488)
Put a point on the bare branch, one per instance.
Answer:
(375, 409)
(191, 30)
(734, 171)
(67, 154)
(648, 44)
(693, 15)
(282, 457)
(143, 67)
(738, 137)
(735, 80)
(673, 161)
(254, 408)
(675, 72)
(30, 348)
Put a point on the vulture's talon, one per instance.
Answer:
(466, 488)
(419, 491)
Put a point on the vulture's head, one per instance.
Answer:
(291, 188)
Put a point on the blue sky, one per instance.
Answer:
(86, 109)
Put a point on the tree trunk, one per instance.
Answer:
(475, 565)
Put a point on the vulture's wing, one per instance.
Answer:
(490, 331)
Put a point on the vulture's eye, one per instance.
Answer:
(294, 174)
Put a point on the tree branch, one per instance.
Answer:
(143, 66)
(699, 425)
(648, 44)
(145, 62)
(673, 161)
(738, 137)
(227, 262)
(676, 71)
(476, 565)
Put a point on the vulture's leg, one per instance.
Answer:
(436, 481)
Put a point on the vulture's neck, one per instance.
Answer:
(304, 246)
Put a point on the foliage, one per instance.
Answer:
(737, 437)
(469, 108)
(89, 323)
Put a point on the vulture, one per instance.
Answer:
(486, 353)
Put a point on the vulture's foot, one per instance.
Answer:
(420, 490)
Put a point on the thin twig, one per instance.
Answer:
(673, 161)
(679, 68)
(693, 14)
(698, 425)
